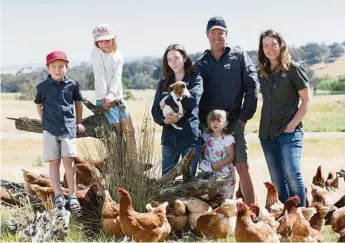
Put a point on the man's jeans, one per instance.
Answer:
(171, 157)
(283, 157)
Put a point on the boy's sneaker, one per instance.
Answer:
(73, 204)
(59, 201)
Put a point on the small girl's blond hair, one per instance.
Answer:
(220, 116)
(114, 45)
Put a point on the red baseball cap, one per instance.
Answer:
(56, 55)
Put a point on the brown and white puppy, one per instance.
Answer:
(173, 104)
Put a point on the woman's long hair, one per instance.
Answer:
(284, 59)
(168, 74)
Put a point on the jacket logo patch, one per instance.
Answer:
(284, 75)
(227, 66)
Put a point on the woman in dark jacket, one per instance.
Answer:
(177, 66)
(283, 84)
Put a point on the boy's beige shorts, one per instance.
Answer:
(57, 147)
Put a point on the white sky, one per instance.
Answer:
(32, 28)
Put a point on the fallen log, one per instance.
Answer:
(182, 168)
(96, 126)
(198, 186)
(98, 110)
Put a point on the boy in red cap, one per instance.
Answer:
(55, 98)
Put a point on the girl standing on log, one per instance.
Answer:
(178, 66)
(218, 152)
(107, 63)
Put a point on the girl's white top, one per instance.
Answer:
(107, 69)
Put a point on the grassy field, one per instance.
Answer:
(331, 69)
(323, 145)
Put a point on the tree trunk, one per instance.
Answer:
(198, 186)
(95, 126)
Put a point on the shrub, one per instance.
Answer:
(122, 164)
(27, 91)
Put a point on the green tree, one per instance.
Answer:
(297, 54)
(336, 50)
(314, 52)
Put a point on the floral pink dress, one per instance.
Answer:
(215, 151)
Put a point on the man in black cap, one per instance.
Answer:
(230, 84)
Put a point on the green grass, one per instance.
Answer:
(76, 235)
(326, 114)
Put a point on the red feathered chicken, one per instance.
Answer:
(142, 227)
(247, 231)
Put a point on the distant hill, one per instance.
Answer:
(334, 69)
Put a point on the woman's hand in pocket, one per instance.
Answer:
(290, 128)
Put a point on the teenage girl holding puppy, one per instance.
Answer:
(177, 66)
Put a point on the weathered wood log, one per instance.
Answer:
(47, 226)
(95, 126)
(20, 197)
(181, 168)
(98, 110)
(200, 185)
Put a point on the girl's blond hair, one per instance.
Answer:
(220, 116)
(114, 45)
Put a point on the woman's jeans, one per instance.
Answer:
(171, 157)
(283, 157)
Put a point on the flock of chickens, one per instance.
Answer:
(273, 222)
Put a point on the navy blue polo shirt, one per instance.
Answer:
(58, 99)
(230, 84)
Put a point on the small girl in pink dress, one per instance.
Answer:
(218, 152)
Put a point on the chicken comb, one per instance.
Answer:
(297, 198)
(251, 205)
(240, 205)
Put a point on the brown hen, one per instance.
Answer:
(6, 197)
(319, 179)
(247, 231)
(196, 208)
(142, 227)
(86, 174)
(332, 182)
(33, 178)
(177, 216)
(338, 220)
(273, 204)
(301, 229)
(219, 223)
(110, 216)
(321, 195)
(340, 203)
(318, 220)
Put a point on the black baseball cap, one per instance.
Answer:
(216, 22)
